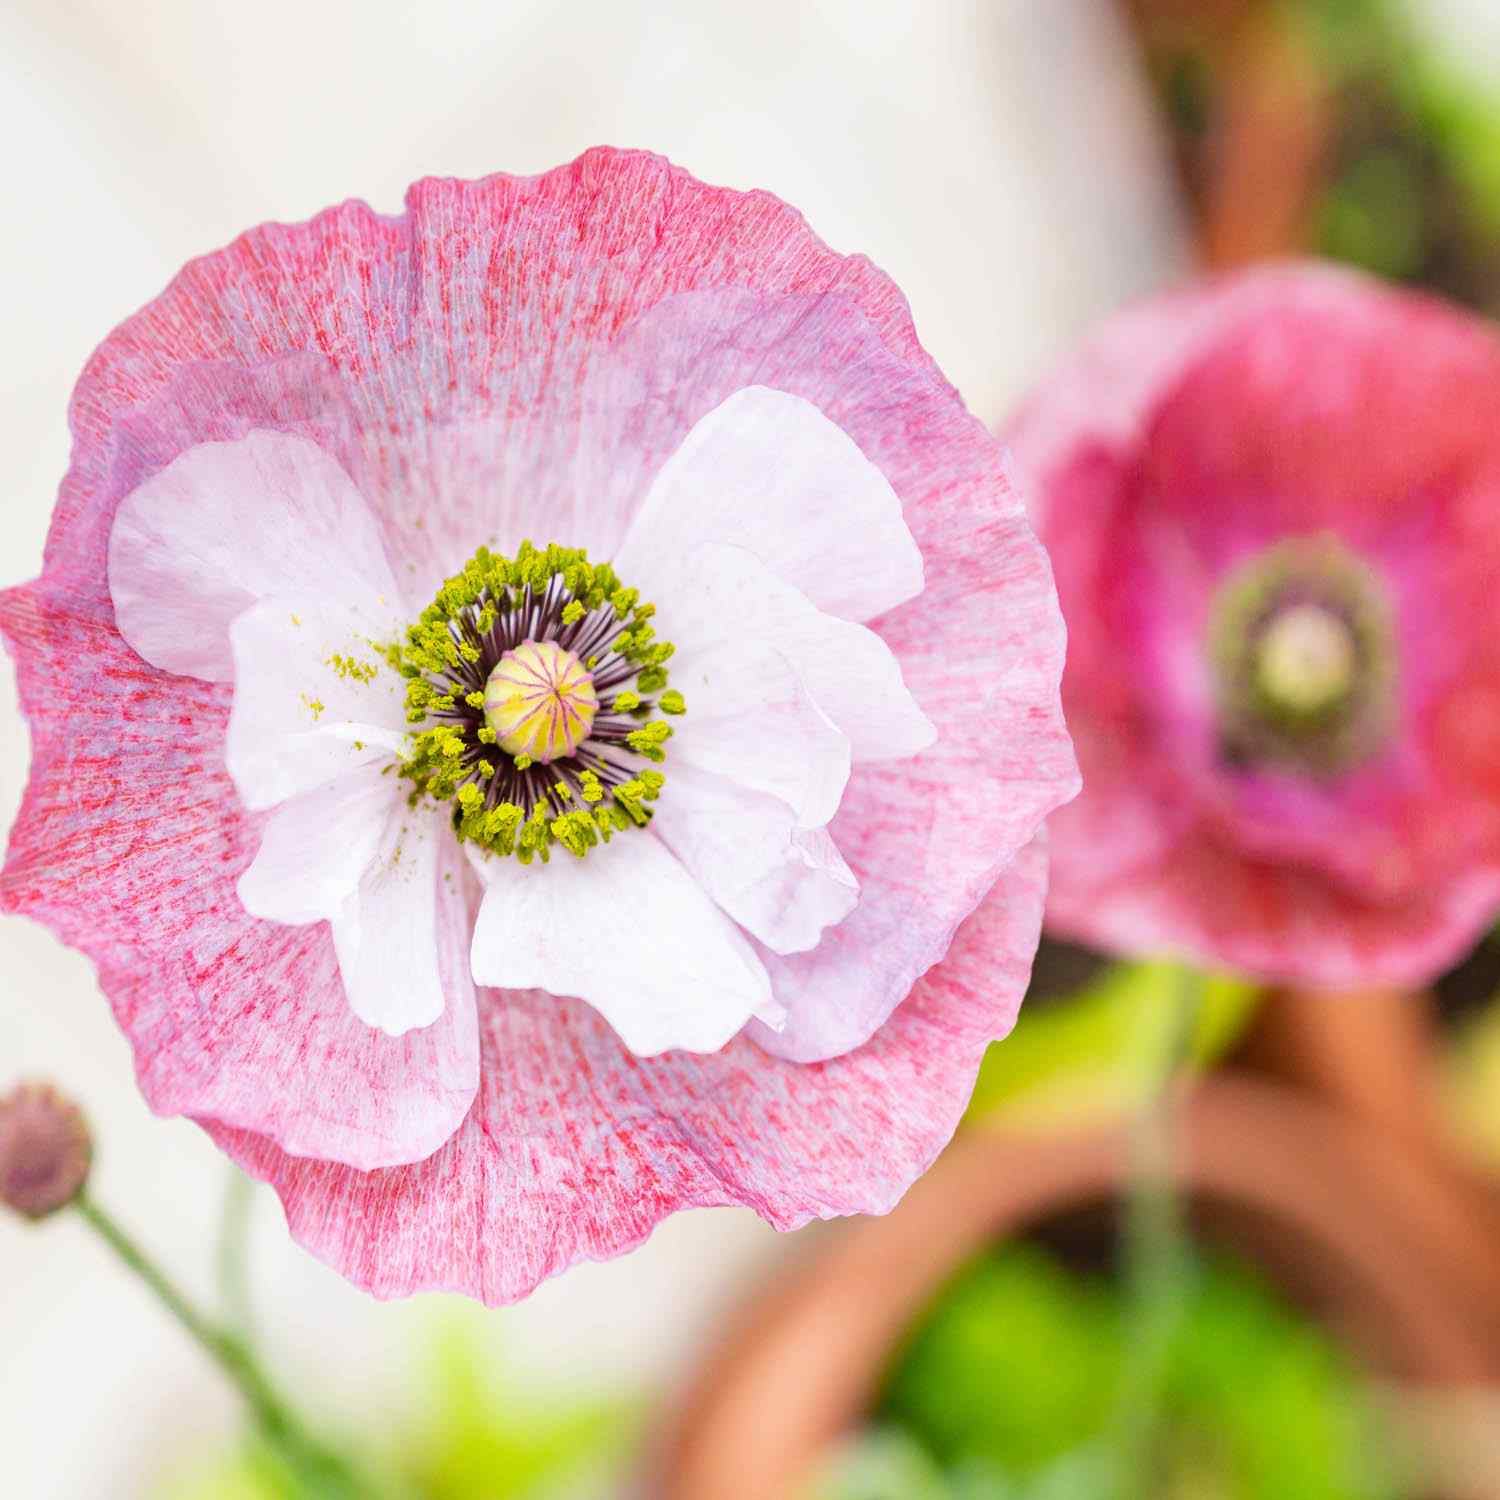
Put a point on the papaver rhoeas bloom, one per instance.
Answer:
(1273, 506)
(523, 693)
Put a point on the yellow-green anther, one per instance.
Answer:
(649, 738)
(351, 668)
(573, 613)
(672, 703)
(625, 702)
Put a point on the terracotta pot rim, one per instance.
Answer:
(1395, 1239)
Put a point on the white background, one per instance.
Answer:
(996, 158)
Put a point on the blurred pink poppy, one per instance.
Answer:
(394, 873)
(1273, 506)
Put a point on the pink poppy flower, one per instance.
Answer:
(1273, 505)
(417, 865)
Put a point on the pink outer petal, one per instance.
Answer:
(1370, 890)
(128, 846)
(507, 349)
(576, 1150)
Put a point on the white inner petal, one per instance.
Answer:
(782, 884)
(628, 930)
(316, 847)
(750, 718)
(386, 933)
(768, 471)
(313, 698)
(225, 524)
(726, 607)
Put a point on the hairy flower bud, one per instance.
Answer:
(45, 1150)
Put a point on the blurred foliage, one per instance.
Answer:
(482, 1436)
(1008, 1389)
(1414, 171)
(489, 1441)
(890, 1465)
(1072, 1057)
(1411, 160)
(1473, 1078)
(1468, 1008)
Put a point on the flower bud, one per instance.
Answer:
(45, 1150)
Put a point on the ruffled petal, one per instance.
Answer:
(628, 930)
(225, 524)
(767, 471)
(313, 697)
(129, 844)
(576, 1150)
(726, 601)
(781, 883)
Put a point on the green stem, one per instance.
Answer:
(1158, 1256)
(234, 1231)
(321, 1474)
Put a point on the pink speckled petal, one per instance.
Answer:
(768, 472)
(225, 524)
(576, 1150)
(129, 844)
(629, 931)
(781, 883)
(298, 721)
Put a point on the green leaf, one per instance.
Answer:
(1074, 1057)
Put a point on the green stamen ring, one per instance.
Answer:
(535, 681)
(1302, 643)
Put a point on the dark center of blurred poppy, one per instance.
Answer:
(1304, 662)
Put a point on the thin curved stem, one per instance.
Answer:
(321, 1474)
(233, 1255)
(1158, 1255)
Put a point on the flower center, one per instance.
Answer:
(535, 681)
(1303, 648)
(1306, 659)
(540, 701)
